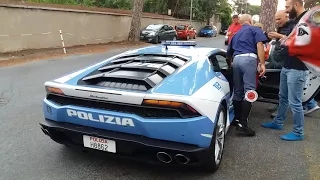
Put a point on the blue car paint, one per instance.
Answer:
(210, 32)
(229, 108)
(177, 130)
(193, 77)
(221, 76)
(188, 81)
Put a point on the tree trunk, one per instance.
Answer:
(134, 34)
(268, 10)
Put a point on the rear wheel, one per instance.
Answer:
(217, 142)
(156, 40)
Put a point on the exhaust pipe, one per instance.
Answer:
(164, 157)
(182, 159)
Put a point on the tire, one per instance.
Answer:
(195, 36)
(156, 41)
(218, 140)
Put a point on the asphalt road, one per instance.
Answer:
(26, 153)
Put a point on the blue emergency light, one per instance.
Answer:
(179, 43)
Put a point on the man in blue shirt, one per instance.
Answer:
(246, 49)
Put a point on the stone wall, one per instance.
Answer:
(33, 27)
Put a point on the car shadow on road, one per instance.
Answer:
(122, 167)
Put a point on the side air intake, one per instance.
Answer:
(140, 72)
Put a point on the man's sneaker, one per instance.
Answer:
(245, 129)
(292, 137)
(308, 111)
(272, 125)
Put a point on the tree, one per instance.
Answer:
(268, 10)
(244, 7)
(225, 12)
(311, 3)
(254, 10)
(115, 4)
(134, 34)
(211, 8)
(156, 6)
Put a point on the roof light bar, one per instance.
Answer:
(179, 43)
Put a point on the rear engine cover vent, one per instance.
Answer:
(140, 72)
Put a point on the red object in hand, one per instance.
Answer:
(304, 40)
(267, 51)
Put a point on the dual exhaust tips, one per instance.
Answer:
(166, 158)
(162, 156)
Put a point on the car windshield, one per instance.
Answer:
(154, 27)
(181, 27)
(207, 28)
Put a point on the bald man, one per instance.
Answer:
(284, 28)
(284, 25)
(281, 18)
(246, 49)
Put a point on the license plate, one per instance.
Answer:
(99, 144)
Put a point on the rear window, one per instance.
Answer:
(208, 27)
(154, 27)
(181, 27)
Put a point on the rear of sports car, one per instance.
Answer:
(132, 106)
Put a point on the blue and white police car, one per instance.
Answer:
(170, 103)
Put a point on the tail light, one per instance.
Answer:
(184, 109)
(53, 90)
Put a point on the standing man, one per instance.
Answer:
(285, 26)
(292, 81)
(233, 28)
(246, 48)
